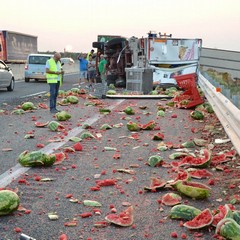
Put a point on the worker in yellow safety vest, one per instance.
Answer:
(54, 74)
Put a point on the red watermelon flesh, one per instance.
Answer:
(204, 219)
(223, 211)
(171, 199)
(39, 124)
(200, 173)
(59, 158)
(124, 219)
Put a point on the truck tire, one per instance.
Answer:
(11, 86)
(26, 79)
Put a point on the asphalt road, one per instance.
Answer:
(74, 178)
(24, 90)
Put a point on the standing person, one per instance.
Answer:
(83, 68)
(102, 68)
(54, 74)
(90, 54)
(91, 71)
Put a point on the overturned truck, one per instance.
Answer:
(148, 61)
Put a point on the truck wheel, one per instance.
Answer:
(26, 79)
(11, 86)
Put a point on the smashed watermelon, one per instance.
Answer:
(124, 219)
(202, 220)
(199, 173)
(223, 211)
(156, 184)
(171, 199)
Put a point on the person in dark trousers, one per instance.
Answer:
(54, 75)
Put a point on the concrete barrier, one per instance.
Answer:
(18, 69)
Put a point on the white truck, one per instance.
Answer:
(164, 55)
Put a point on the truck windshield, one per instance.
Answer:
(38, 59)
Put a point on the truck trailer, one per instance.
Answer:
(15, 47)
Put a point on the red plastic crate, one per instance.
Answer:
(187, 83)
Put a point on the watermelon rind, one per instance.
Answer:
(202, 220)
(228, 228)
(154, 160)
(9, 202)
(192, 189)
(236, 216)
(184, 212)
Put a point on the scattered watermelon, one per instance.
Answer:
(199, 173)
(9, 202)
(184, 212)
(149, 126)
(219, 159)
(43, 124)
(155, 161)
(171, 199)
(192, 189)
(224, 211)
(124, 219)
(202, 220)
(156, 184)
(229, 229)
(59, 158)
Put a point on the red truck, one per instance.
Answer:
(15, 47)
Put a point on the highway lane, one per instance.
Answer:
(33, 88)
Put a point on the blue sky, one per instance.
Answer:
(75, 24)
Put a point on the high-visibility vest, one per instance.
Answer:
(55, 67)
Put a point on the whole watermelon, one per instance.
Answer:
(28, 106)
(9, 202)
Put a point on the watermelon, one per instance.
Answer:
(35, 159)
(171, 199)
(224, 211)
(199, 173)
(43, 124)
(72, 99)
(155, 161)
(158, 136)
(148, 126)
(236, 216)
(59, 158)
(63, 116)
(192, 189)
(132, 126)
(63, 102)
(9, 202)
(200, 142)
(229, 229)
(28, 106)
(198, 162)
(129, 111)
(161, 113)
(55, 126)
(219, 159)
(188, 144)
(202, 220)
(177, 155)
(184, 212)
(74, 90)
(86, 135)
(124, 219)
(156, 184)
(197, 115)
(181, 175)
(111, 92)
(105, 127)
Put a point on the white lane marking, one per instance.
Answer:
(34, 94)
(13, 173)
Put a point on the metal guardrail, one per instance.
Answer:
(227, 113)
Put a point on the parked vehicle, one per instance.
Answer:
(15, 47)
(6, 77)
(36, 66)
